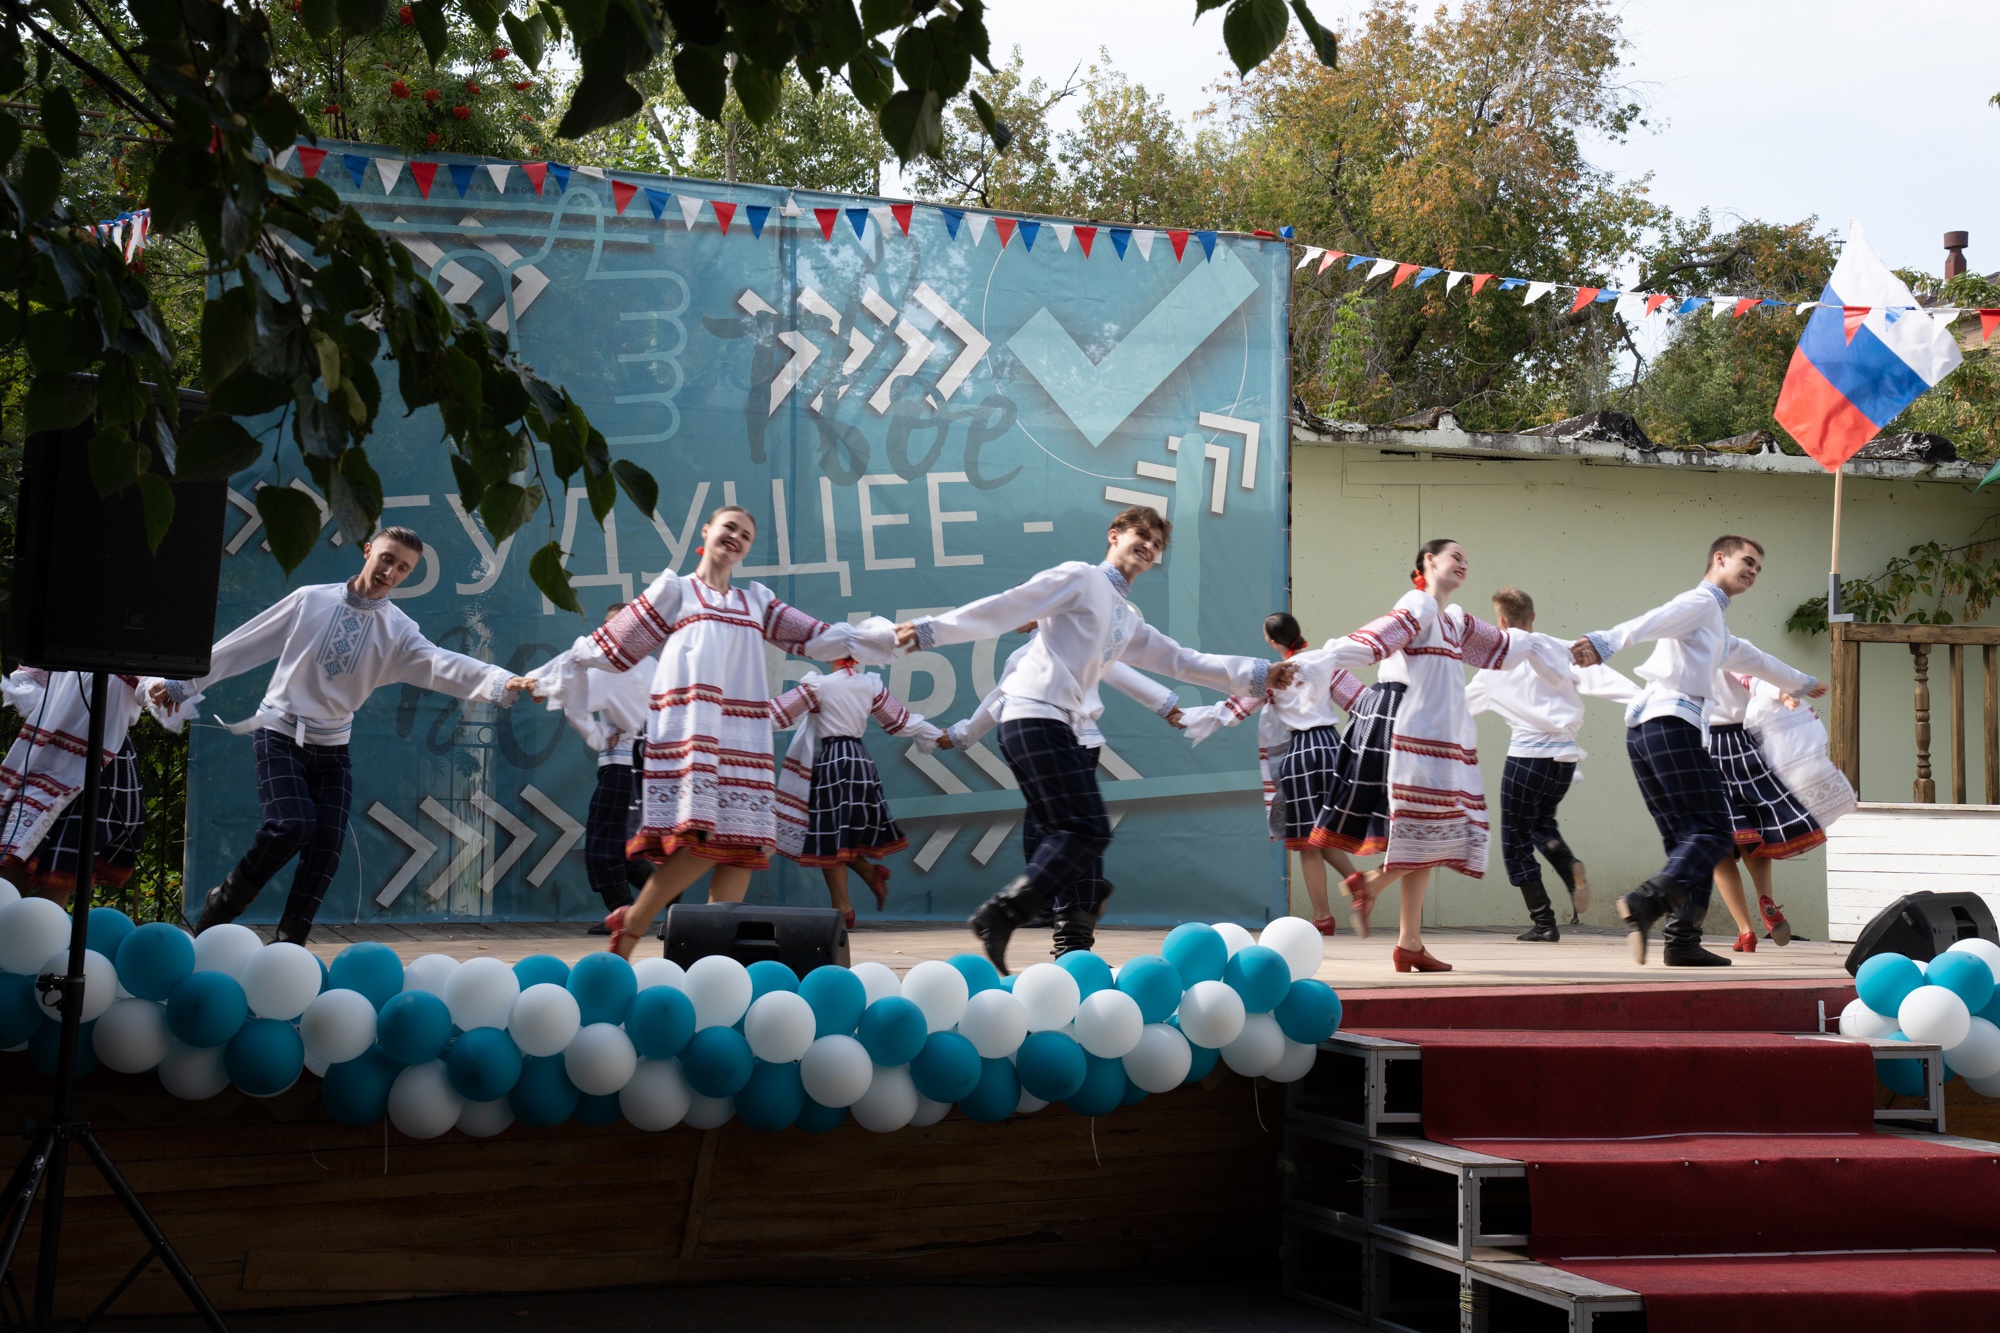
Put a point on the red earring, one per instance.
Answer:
(1420, 581)
(701, 550)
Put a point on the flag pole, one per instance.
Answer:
(1833, 575)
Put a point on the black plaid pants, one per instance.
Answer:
(305, 791)
(612, 877)
(1058, 780)
(1683, 790)
(1530, 791)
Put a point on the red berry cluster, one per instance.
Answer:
(406, 16)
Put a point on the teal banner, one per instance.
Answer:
(920, 406)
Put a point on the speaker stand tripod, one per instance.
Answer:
(44, 1168)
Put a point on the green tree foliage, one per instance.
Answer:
(1933, 584)
(817, 141)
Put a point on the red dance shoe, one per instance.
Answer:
(1325, 925)
(847, 917)
(1356, 886)
(614, 925)
(1745, 943)
(1775, 924)
(1420, 961)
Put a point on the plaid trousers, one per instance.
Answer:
(305, 791)
(1530, 791)
(1058, 780)
(612, 877)
(121, 820)
(1683, 790)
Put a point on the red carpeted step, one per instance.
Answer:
(1556, 1085)
(1740, 1006)
(1835, 1293)
(1709, 1194)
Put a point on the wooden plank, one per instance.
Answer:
(1844, 712)
(1917, 863)
(1990, 711)
(1862, 881)
(704, 1171)
(1958, 723)
(1926, 634)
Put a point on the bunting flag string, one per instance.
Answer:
(128, 231)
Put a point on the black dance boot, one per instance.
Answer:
(1005, 912)
(1543, 931)
(1682, 939)
(1646, 905)
(225, 902)
(1570, 871)
(1075, 929)
(292, 929)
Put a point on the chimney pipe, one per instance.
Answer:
(1954, 253)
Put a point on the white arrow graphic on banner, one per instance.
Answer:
(421, 850)
(804, 352)
(569, 832)
(976, 343)
(475, 843)
(916, 348)
(993, 766)
(947, 782)
(520, 838)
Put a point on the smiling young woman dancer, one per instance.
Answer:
(1409, 782)
(710, 797)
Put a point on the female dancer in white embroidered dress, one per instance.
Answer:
(710, 802)
(831, 811)
(1436, 800)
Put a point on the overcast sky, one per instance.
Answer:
(1776, 109)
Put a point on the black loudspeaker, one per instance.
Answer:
(802, 938)
(1922, 926)
(88, 594)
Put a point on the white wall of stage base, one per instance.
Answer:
(1596, 541)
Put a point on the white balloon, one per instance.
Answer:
(1976, 1056)
(929, 1112)
(132, 1036)
(995, 1023)
(1294, 1063)
(429, 972)
(659, 972)
(1029, 1103)
(100, 984)
(1858, 1020)
(422, 1102)
(280, 981)
(600, 1059)
(939, 989)
(544, 1019)
(779, 1027)
(482, 1120)
(657, 1097)
(709, 1112)
(1298, 942)
(1161, 1060)
(1211, 1014)
(30, 930)
(1923, 965)
(193, 1073)
(1985, 950)
(1109, 1024)
(1985, 1087)
(316, 1066)
(1234, 937)
(8, 894)
(836, 1071)
(890, 1102)
(720, 988)
(1048, 996)
(481, 993)
(1258, 1048)
(338, 1026)
(877, 980)
(227, 948)
(1934, 1014)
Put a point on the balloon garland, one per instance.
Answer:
(1950, 1002)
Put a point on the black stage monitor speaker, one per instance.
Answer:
(1922, 926)
(802, 938)
(88, 595)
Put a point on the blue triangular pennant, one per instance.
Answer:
(1029, 230)
(952, 217)
(1609, 295)
(1286, 231)
(357, 167)
(1120, 238)
(461, 176)
(658, 199)
(1509, 284)
(1693, 303)
(857, 218)
(561, 173)
(1207, 239)
(756, 213)
(1358, 260)
(1425, 276)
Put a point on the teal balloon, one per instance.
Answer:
(538, 968)
(1197, 952)
(372, 969)
(1309, 1013)
(154, 959)
(413, 1027)
(817, 1119)
(1991, 1013)
(1260, 975)
(1155, 984)
(947, 1068)
(660, 1022)
(596, 1110)
(1007, 984)
(1965, 975)
(837, 998)
(996, 1094)
(356, 1092)
(484, 1065)
(1092, 973)
(1103, 1087)
(892, 1030)
(773, 1097)
(1202, 1065)
(206, 1008)
(543, 1095)
(978, 971)
(1905, 1078)
(106, 929)
(264, 1057)
(717, 1062)
(603, 984)
(20, 1011)
(1134, 1094)
(325, 975)
(1885, 981)
(767, 975)
(1051, 1066)
(46, 1042)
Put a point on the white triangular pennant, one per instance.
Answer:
(1312, 252)
(690, 208)
(1064, 231)
(1632, 306)
(1806, 307)
(976, 223)
(498, 171)
(885, 221)
(1143, 241)
(1536, 291)
(1720, 306)
(1453, 279)
(1381, 266)
(283, 161)
(591, 171)
(791, 208)
(389, 169)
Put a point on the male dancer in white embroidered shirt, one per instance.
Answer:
(1086, 622)
(335, 644)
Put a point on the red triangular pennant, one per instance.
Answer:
(1331, 255)
(536, 172)
(1179, 238)
(623, 193)
(1084, 236)
(309, 160)
(1480, 280)
(1852, 317)
(1005, 226)
(826, 217)
(1403, 272)
(423, 173)
(902, 215)
(1988, 321)
(1742, 304)
(723, 212)
(1584, 296)
(1655, 301)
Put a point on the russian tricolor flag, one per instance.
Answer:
(1867, 353)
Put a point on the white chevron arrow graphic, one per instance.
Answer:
(475, 843)
(804, 352)
(519, 839)
(946, 781)
(993, 766)
(569, 834)
(421, 849)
